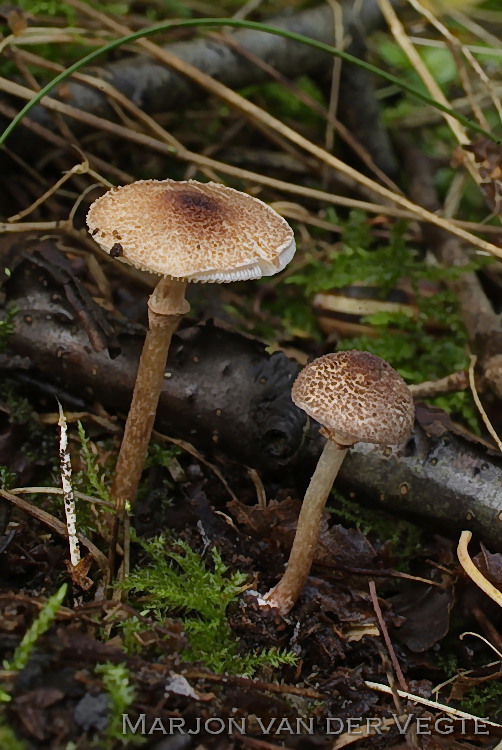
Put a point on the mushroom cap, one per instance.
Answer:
(191, 230)
(357, 396)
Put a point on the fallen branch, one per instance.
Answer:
(221, 385)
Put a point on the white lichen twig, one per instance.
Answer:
(69, 499)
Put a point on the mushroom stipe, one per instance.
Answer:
(184, 231)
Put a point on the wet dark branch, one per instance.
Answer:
(226, 395)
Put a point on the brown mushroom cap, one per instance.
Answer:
(357, 396)
(191, 230)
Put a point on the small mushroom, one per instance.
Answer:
(184, 231)
(356, 397)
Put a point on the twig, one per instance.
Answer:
(378, 573)
(60, 491)
(456, 381)
(472, 571)
(249, 684)
(60, 142)
(82, 168)
(475, 28)
(261, 493)
(432, 704)
(339, 34)
(386, 637)
(53, 523)
(479, 405)
(336, 125)
(482, 324)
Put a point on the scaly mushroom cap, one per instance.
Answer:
(357, 397)
(191, 230)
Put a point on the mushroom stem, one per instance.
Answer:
(284, 595)
(163, 321)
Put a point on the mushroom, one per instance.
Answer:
(356, 397)
(184, 231)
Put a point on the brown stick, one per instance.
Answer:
(386, 637)
(455, 381)
(55, 524)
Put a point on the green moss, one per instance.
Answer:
(284, 103)
(176, 582)
(484, 699)
(404, 339)
(160, 455)
(9, 740)
(7, 478)
(121, 695)
(92, 479)
(7, 327)
(38, 627)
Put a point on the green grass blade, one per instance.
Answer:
(202, 22)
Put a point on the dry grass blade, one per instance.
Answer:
(83, 168)
(188, 447)
(414, 211)
(456, 44)
(255, 113)
(481, 638)
(472, 571)
(479, 405)
(455, 712)
(59, 491)
(430, 82)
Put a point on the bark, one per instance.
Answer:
(155, 88)
(226, 395)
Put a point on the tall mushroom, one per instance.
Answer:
(356, 397)
(184, 231)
